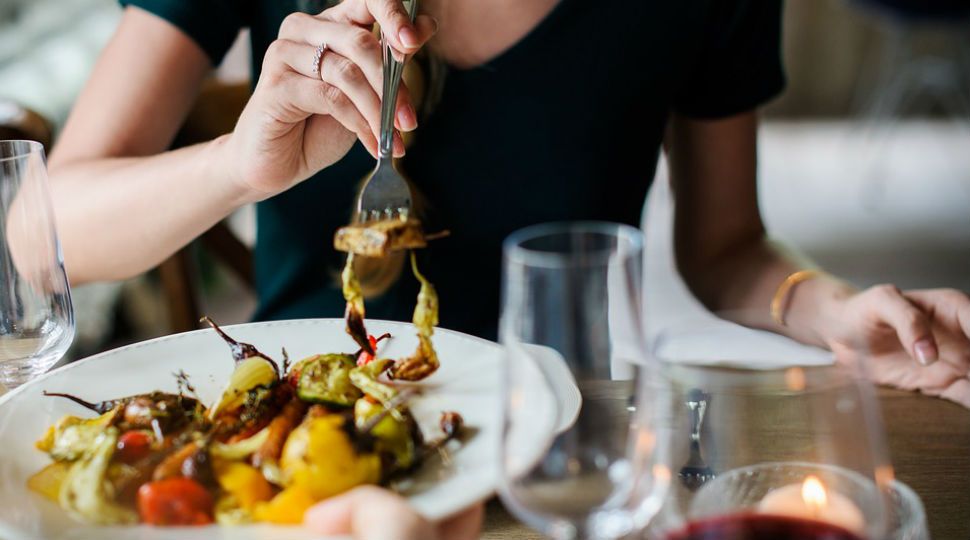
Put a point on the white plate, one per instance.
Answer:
(469, 382)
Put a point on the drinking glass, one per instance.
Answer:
(36, 315)
(575, 460)
(791, 449)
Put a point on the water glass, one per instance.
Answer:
(36, 315)
(575, 460)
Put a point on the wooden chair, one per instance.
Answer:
(19, 122)
(214, 113)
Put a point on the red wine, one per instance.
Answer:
(761, 527)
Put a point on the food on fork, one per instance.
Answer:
(380, 238)
(424, 361)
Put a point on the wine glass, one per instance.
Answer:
(791, 450)
(36, 315)
(573, 455)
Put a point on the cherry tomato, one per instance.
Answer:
(174, 501)
(133, 445)
(365, 357)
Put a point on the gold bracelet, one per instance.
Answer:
(779, 301)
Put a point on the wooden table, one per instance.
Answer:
(929, 442)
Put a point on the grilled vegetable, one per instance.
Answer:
(424, 361)
(240, 449)
(240, 351)
(379, 238)
(48, 481)
(320, 457)
(249, 375)
(244, 483)
(175, 501)
(325, 378)
(354, 313)
(366, 379)
(86, 493)
(133, 446)
(71, 437)
(286, 508)
(278, 430)
(363, 357)
(159, 411)
(393, 436)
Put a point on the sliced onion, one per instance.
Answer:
(251, 373)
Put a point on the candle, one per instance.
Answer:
(810, 500)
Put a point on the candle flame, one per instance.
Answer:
(813, 493)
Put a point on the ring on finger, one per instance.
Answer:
(318, 57)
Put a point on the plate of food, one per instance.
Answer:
(235, 432)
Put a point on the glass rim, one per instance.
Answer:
(515, 251)
(33, 147)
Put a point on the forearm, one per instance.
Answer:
(118, 217)
(741, 284)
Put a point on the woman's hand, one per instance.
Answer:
(916, 340)
(299, 121)
(371, 513)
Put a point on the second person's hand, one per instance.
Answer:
(300, 120)
(372, 513)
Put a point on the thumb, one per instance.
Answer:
(911, 325)
(368, 513)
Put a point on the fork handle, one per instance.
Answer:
(392, 82)
(697, 403)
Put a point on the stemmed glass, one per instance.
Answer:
(36, 315)
(574, 459)
(770, 451)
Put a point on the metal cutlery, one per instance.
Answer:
(385, 194)
(695, 473)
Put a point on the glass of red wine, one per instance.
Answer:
(770, 440)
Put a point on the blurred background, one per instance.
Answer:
(865, 160)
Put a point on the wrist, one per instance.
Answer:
(818, 306)
(226, 162)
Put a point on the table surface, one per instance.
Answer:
(929, 443)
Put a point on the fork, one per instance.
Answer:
(386, 194)
(695, 473)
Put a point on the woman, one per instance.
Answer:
(549, 110)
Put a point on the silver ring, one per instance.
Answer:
(318, 57)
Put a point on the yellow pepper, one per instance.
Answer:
(318, 461)
(319, 456)
(286, 508)
(244, 482)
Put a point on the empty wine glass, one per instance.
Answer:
(573, 455)
(36, 315)
(792, 444)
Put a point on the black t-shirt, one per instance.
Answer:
(564, 125)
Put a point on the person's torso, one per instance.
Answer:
(564, 125)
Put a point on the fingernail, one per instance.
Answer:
(407, 118)
(925, 352)
(409, 37)
(437, 25)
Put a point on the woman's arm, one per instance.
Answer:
(120, 214)
(722, 250)
(729, 263)
(123, 204)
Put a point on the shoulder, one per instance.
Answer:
(212, 24)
